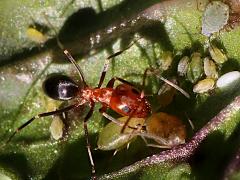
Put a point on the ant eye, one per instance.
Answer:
(60, 87)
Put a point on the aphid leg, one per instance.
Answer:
(149, 71)
(92, 104)
(39, 116)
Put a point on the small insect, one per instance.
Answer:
(204, 85)
(215, 17)
(210, 68)
(183, 66)
(36, 36)
(195, 68)
(217, 54)
(165, 129)
(165, 60)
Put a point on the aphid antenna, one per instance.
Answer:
(66, 52)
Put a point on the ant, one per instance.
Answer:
(124, 99)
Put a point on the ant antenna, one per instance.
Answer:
(66, 52)
(174, 86)
(151, 70)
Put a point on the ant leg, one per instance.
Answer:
(109, 117)
(110, 83)
(89, 114)
(103, 110)
(39, 116)
(106, 64)
(152, 71)
(127, 121)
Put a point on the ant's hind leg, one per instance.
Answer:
(39, 116)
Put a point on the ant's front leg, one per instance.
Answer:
(110, 83)
(106, 65)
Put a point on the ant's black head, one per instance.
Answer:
(60, 87)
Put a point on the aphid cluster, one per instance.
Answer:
(203, 72)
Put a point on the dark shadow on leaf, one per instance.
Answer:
(16, 163)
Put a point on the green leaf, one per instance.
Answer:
(93, 30)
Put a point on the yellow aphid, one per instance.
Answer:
(204, 85)
(217, 54)
(210, 68)
(56, 128)
(36, 36)
(166, 60)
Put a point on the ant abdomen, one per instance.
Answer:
(60, 87)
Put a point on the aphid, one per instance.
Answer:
(165, 129)
(210, 68)
(169, 129)
(215, 17)
(165, 60)
(36, 36)
(111, 137)
(228, 79)
(56, 128)
(195, 68)
(204, 85)
(217, 54)
(183, 66)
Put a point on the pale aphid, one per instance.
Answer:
(183, 66)
(204, 85)
(214, 18)
(56, 128)
(210, 68)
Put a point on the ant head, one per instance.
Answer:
(60, 87)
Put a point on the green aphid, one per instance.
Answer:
(195, 68)
(111, 137)
(217, 54)
(166, 60)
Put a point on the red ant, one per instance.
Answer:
(124, 99)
